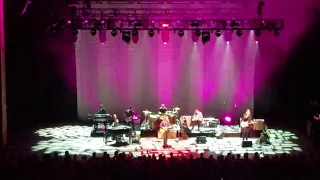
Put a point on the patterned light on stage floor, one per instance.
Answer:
(77, 140)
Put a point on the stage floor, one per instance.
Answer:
(77, 140)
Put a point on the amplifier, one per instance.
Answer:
(246, 143)
(213, 124)
(201, 140)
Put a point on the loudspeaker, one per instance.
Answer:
(201, 140)
(219, 135)
(246, 143)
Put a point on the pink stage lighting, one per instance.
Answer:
(164, 42)
(228, 42)
(227, 118)
(135, 118)
(165, 25)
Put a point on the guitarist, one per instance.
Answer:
(128, 115)
(245, 124)
(164, 125)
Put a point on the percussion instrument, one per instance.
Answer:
(176, 109)
(169, 113)
(146, 112)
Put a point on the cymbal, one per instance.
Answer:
(176, 108)
(147, 112)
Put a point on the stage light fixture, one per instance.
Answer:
(93, 31)
(135, 32)
(227, 119)
(75, 32)
(197, 32)
(239, 33)
(257, 32)
(151, 33)
(276, 32)
(218, 33)
(180, 33)
(114, 33)
(126, 36)
(205, 37)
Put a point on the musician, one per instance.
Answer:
(184, 129)
(197, 119)
(245, 124)
(128, 115)
(162, 109)
(165, 124)
(101, 110)
(115, 121)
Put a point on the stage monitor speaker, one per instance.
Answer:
(219, 135)
(201, 140)
(246, 143)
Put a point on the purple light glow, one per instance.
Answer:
(179, 73)
(257, 42)
(228, 42)
(227, 119)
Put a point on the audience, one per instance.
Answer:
(125, 166)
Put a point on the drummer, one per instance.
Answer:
(162, 109)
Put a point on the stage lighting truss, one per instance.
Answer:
(176, 25)
(94, 16)
(163, 13)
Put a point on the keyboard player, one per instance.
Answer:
(115, 122)
(101, 110)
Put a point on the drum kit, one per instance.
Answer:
(153, 120)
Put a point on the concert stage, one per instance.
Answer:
(219, 132)
(77, 140)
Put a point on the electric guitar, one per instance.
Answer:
(245, 124)
(162, 130)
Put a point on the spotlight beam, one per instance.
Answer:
(25, 7)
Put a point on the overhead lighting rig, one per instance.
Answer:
(163, 13)
(130, 21)
(201, 25)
